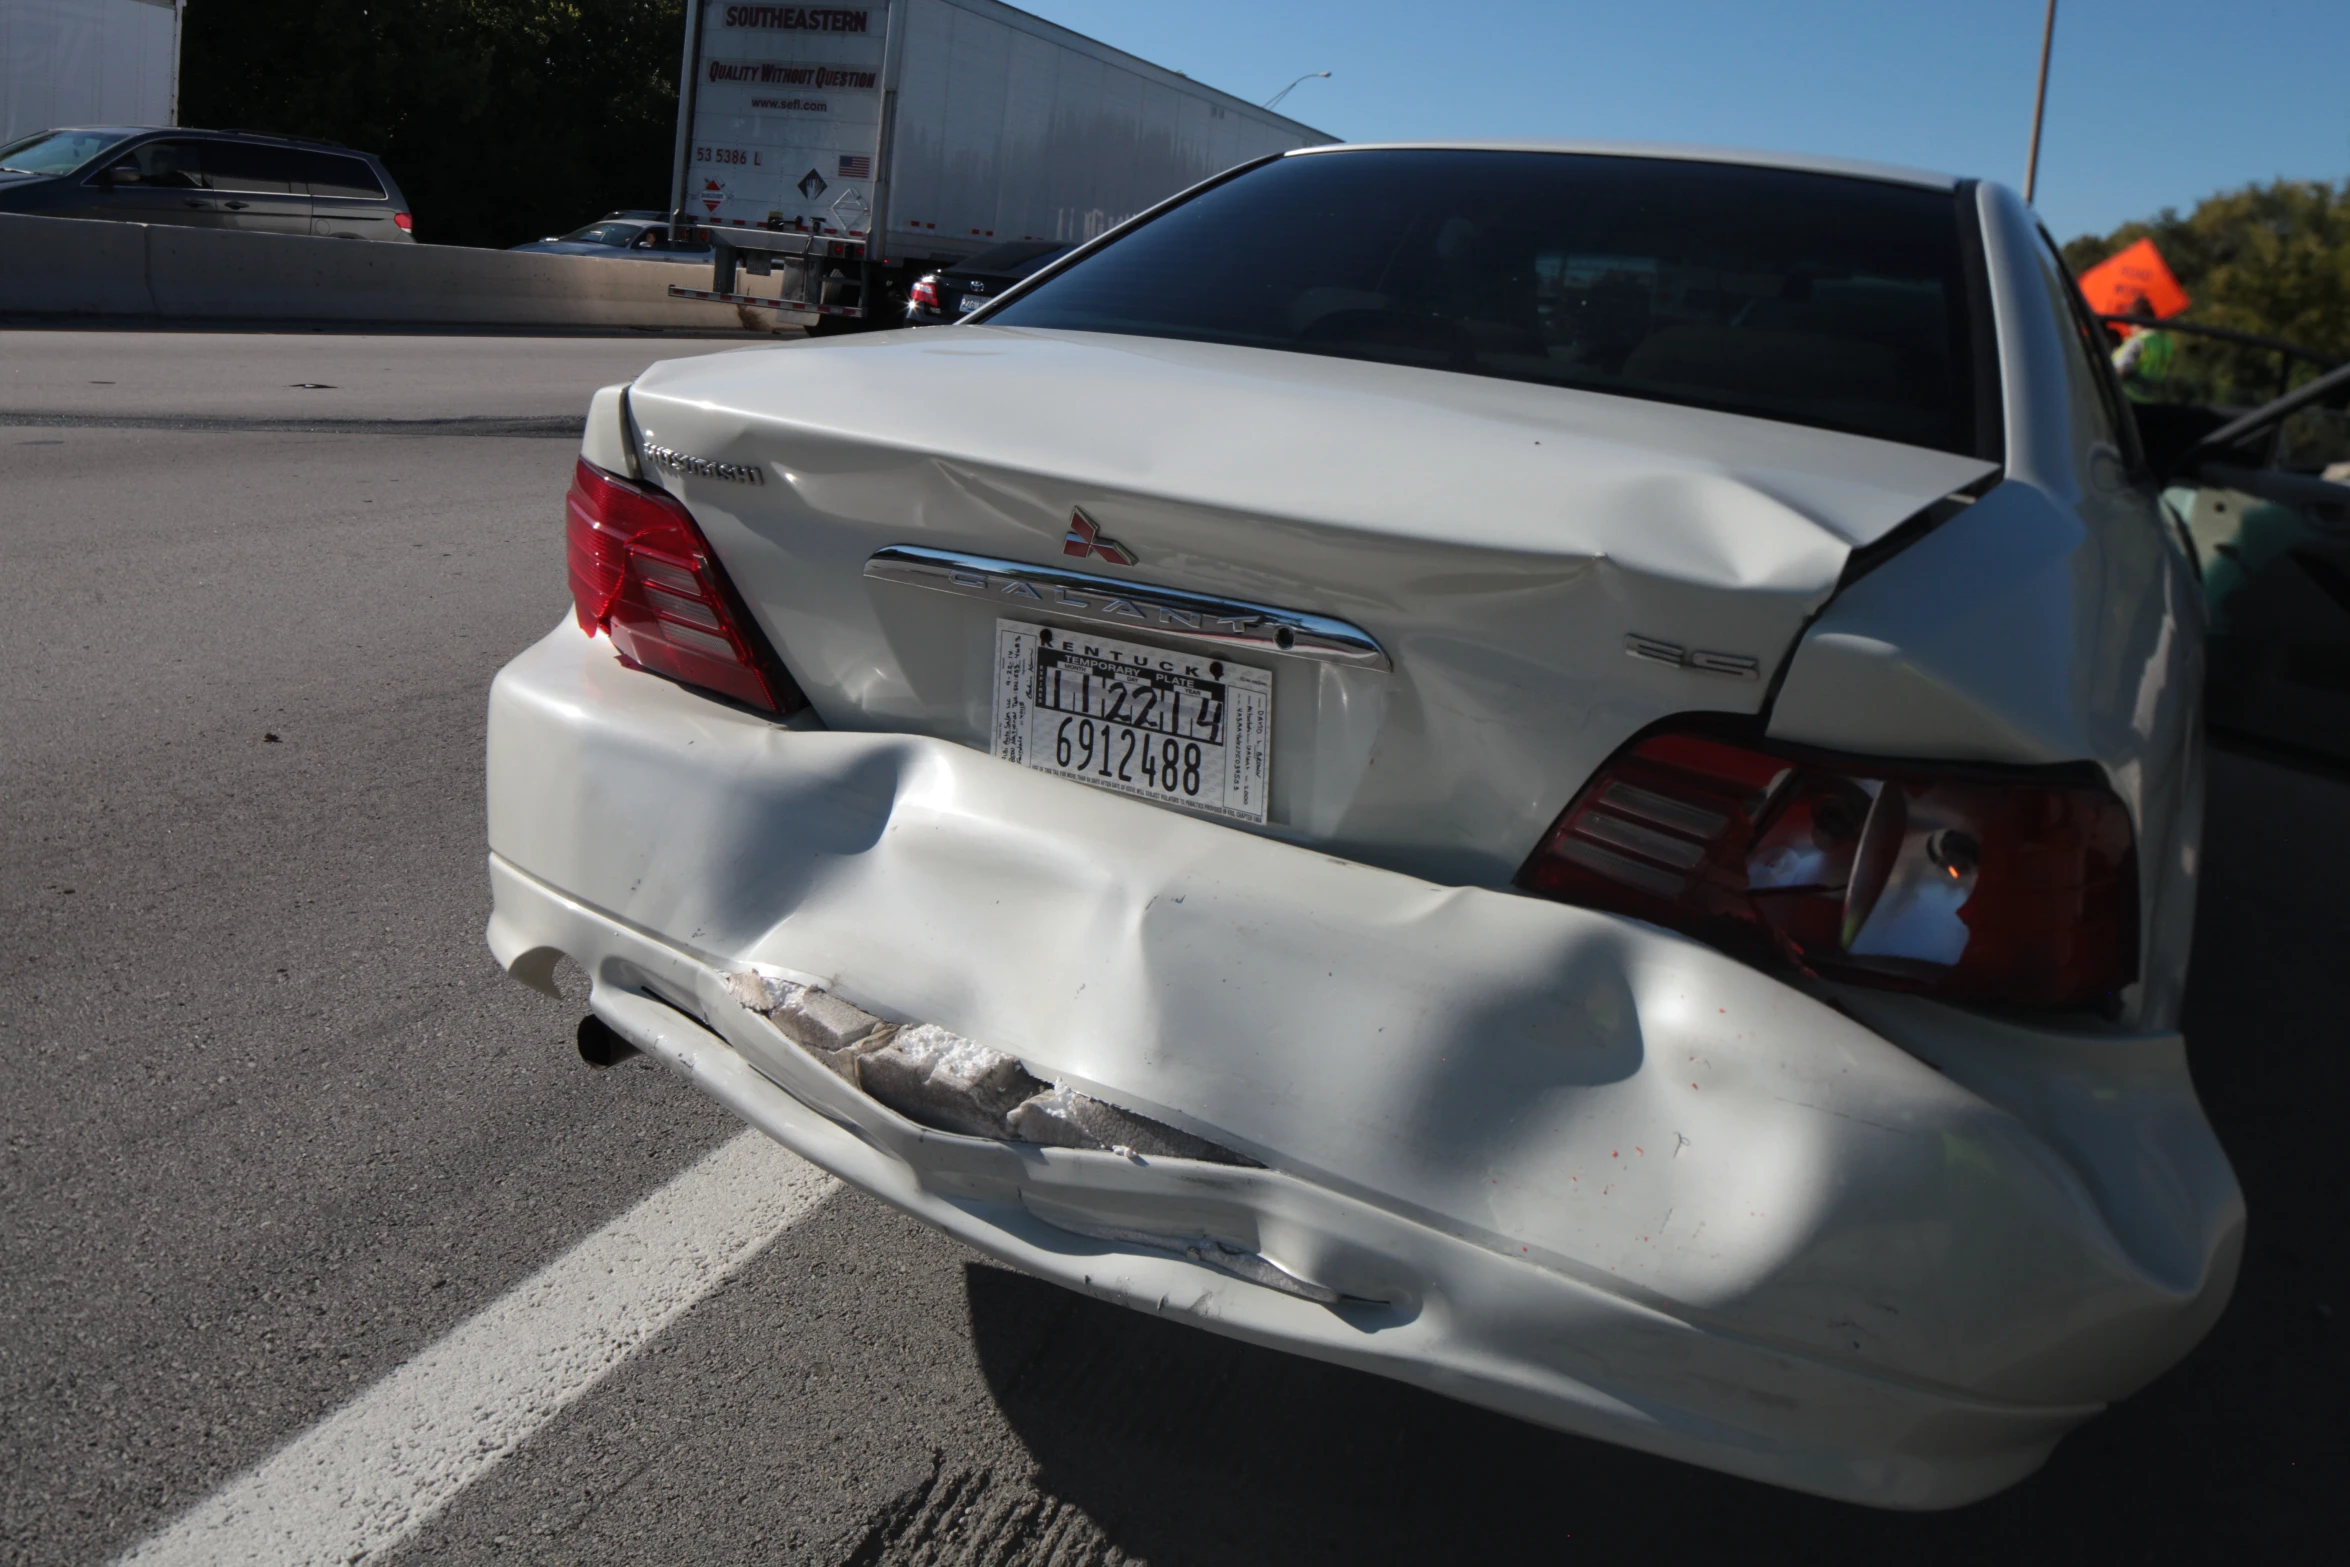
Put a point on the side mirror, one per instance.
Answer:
(124, 173)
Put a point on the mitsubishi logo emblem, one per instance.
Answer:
(1085, 538)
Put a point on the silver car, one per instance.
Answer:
(634, 236)
(1571, 774)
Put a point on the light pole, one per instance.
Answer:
(2039, 105)
(1292, 87)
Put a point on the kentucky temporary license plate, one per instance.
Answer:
(1187, 728)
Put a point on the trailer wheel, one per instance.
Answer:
(893, 290)
(837, 288)
(884, 290)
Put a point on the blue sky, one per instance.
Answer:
(2151, 103)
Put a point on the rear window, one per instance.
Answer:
(331, 174)
(1809, 298)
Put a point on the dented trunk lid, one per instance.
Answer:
(1544, 571)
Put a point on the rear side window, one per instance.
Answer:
(264, 171)
(1809, 298)
(330, 174)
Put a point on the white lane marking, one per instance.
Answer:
(376, 1470)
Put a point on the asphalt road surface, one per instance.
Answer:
(282, 1145)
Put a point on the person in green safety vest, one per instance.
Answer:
(2143, 360)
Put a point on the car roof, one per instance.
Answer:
(271, 138)
(1849, 168)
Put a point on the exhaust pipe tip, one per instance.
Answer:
(600, 1045)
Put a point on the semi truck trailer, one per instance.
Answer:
(851, 148)
(87, 62)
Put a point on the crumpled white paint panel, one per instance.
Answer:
(1601, 1098)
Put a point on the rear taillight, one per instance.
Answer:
(404, 223)
(925, 293)
(1950, 882)
(642, 573)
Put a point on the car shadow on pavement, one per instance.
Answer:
(1153, 1440)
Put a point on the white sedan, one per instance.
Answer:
(1571, 774)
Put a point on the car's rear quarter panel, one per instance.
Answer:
(2055, 621)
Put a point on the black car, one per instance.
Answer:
(203, 179)
(951, 294)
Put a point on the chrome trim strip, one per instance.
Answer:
(1107, 601)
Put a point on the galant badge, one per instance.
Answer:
(1085, 538)
(676, 461)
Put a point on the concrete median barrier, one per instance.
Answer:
(167, 274)
(54, 266)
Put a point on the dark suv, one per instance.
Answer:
(203, 179)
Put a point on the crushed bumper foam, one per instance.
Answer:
(942, 1080)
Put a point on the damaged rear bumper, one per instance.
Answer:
(1554, 1162)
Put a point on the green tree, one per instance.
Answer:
(2272, 259)
(503, 120)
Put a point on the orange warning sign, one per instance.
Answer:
(2115, 285)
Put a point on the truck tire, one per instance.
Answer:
(886, 287)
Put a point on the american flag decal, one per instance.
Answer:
(855, 168)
